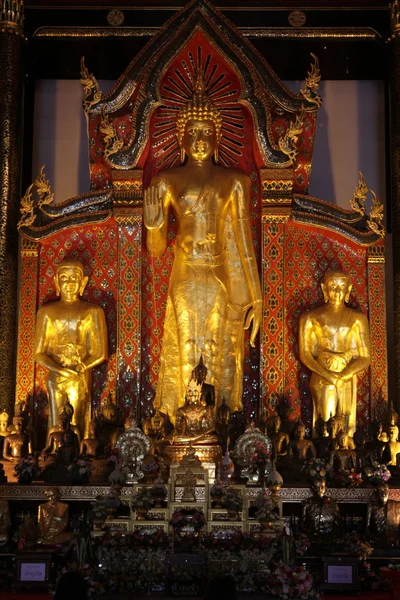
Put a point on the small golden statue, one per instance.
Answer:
(214, 282)
(320, 514)
(17, 445)
(4, 418)
(279, 439)
(334, 343)
(53, 518)
(70, 339)
(93, 446)
(300, 448)
(343, 459)
(194, 421)
(383, 520)
(394, 445)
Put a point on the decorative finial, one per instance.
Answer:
(12, 16)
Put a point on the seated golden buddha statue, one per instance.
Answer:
(17, 445)
(320, 514)
(279, 439)
(334, 343)
(70, 339)
(343, 459)
(194, 421)
(214, 289)
(93, 445)
(300, 447)
(53, 518)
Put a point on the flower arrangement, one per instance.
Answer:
(377, 473)
(266, 509)
(232, 500)
(261, 454)
(301, 544)
(79, 471)
(287, 582)
(347, 478)
(317, 468)
(26, 469)
(183, 518)
(351, 544)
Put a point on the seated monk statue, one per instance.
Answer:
(70, 339)
(383, 519)
(343, 459)
(194, 422)
(157, 427)
(17, 445)
(334, 343)
(53, 518)
(62, 442)
(199, 374)
(301, 448)
(279, 439)
(320, 517)
(93, 445)
(394, 445)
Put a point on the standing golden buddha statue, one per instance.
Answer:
(214, 281)
(70, 339)
(334, 343)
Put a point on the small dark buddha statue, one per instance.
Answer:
(279, 439)
(300, 448)
(322, 441)
(93, 445)
(199, 374)
(343, 459)
(223, 425)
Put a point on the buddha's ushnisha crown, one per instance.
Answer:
(200, 108)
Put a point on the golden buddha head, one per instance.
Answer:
(300, 431)
(336, 287)
(199, 125)
(18, 424)
(70, 280)
(342, 440)
(274, 424)
(393, 433)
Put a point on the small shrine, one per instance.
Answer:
(202, 372)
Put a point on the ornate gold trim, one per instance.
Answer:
(276, 215)
(376, 254)
(124, 216)
(375, 217)
(28, 204)
(327, 33)
(311, 84)
(287, 143)
(91, 89)
(29, 248)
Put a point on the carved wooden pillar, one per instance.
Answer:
(11, 88)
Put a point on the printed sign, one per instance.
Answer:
(340, 574)
(33, 572)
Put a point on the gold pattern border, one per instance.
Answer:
(327, 33)
(376, 254)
